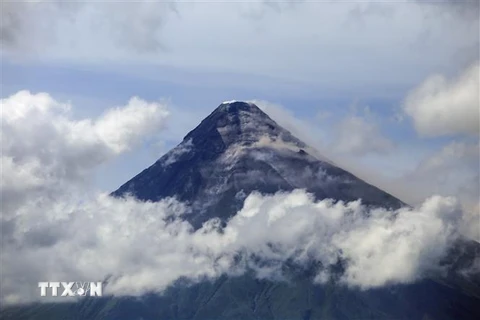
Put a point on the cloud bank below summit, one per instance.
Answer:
(55, 230)
(145, 247)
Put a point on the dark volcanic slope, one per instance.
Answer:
(238, 149)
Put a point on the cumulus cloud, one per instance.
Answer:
(145, 247)
(453, 170)
(44, 150)
(58, 231)
(440, 106)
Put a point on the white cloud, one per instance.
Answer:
(60, 232)
(294, 226)
(122, 127)
(43, 149)
(383, 251)
(145, 247)
(445, 107)
(454, 170)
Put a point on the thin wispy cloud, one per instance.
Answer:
(183, 35)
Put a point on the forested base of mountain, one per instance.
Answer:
(245, 298)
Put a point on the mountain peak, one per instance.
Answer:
(237, 122)
(235, 106)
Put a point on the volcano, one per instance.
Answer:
(236, 150)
